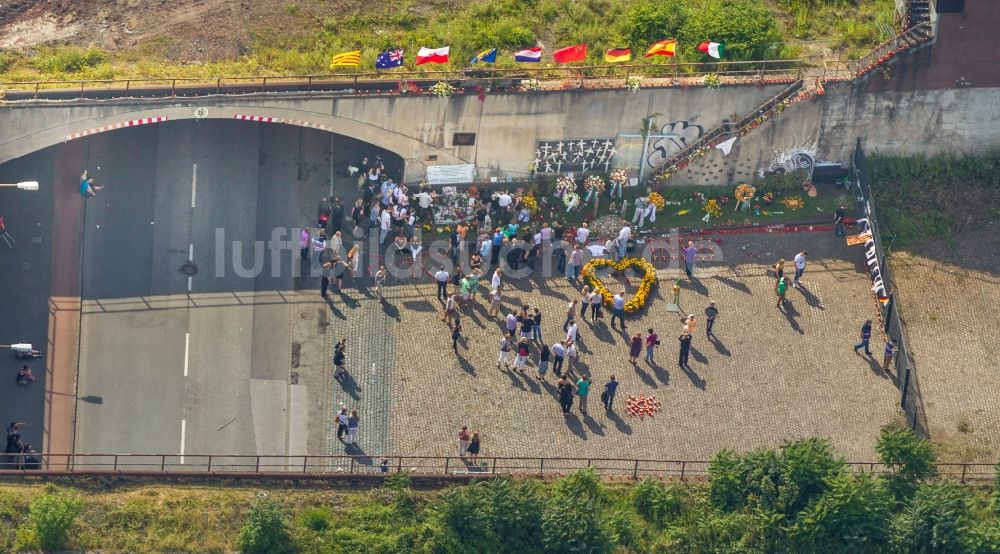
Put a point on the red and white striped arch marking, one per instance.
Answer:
(112, 127)
(268, 119)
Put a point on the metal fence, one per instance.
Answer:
(892, 324)
(288, 467)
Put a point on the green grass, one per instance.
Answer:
(304, 39)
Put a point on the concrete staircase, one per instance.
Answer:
(918, 31)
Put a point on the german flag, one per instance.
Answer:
(662, 48)
(346, 58)
(617, 55)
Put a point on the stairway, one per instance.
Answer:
(724, 131)
(917, 12)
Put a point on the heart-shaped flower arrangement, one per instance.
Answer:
(634, 304)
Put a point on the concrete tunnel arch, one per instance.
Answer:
(414, 152)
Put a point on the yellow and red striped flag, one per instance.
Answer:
(662, 48)
(346, 58)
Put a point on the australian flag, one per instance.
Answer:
(389, 58)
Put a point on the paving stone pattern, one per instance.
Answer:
(769, 376)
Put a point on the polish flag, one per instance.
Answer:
(433, 55)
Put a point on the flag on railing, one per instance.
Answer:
(346, 58)
(575, 53)
(433, 55)
(662, 48)
(486, 56)
(614, 55)
(529, 55)
(714, 49)
(389, 58)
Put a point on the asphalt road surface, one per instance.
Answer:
(171, 362)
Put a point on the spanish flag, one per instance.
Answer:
(617, 55)
(663, 48)
(346, 58)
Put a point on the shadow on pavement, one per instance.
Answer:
(694, 377)
(734, 284)
(620, 423)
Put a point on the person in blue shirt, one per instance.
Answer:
(866, 336)
(87, 187)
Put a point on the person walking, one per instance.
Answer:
(565, 391)
(690, 256)
(888, 354)
(523, 351)
(506, 352)
(596, 300)
(779, 289)
(304, 241)
(572, 332)
(838, 220)
(583, 391)
(652, 341)
(384, 225)
(441, 278)
(450, 309)
(570, 312)
(495, 303)
(380, 277)
(618, 309)
(536, 329)
(496, 281)
(866, 336)
(635, 348)
(685, 340)
(473, 449)
(711, 312)
(543, 361)
(342, 423)
(558, 354)
(352, 428)
(456, 334)
(339, 352)
(800, 267)
(608, 395)
(779, 269)
(463, 441)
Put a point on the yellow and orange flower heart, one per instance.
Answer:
(634, 304)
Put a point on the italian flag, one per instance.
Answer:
(713, 49)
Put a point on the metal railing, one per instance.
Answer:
(729, 128)
(889, 315)
(390, 81)
(272, 466)
(910, 38)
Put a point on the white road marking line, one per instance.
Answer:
(189, 284)
(183, 436)
(194, 183)
(187, 351)
(191, 258)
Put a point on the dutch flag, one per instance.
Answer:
(529, 55)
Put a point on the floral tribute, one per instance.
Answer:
(793, 202)
(641, 406)
(634, 304)
(593, 184)
(744, 192)
(619, 176)
(657, 200)
(712, 209)
(530, 202)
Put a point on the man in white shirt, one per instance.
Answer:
(385, 223)
(441, 278)
(582, 233)
(800, 267)
(639, 215)
(504, 200)
(424, 200)
(623, 237)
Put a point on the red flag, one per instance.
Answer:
(576, 53)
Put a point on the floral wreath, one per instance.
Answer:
(634, 304)
(619, 176)
(566, 183)
(571, 198)
(744, 192)
(594, 182)
(657, 200)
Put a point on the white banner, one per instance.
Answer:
(451, 174)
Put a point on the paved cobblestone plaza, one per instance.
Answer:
(769, 376)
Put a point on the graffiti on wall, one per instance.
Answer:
(682, 134)
(790, 161)
(557, 156)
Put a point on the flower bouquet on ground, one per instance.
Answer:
(744, 194)
(618, 179)
(593, 184)
(712, 209)
(563, 185)
(657, 200)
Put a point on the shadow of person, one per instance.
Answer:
(695, 285)
(811, 299)
(661, 373)
(575, 425)
(389, 309)
(698, 356)
(620, 423)
(515, 378)
(333, 308)
(790, 314)
(719, 346)
(360, 456)
(696, 379)
(347, 300)
(733, 283)
(646, 378)
(466, 365)
(419, 306)
(876, 368)
(350, 385)
(594, 425)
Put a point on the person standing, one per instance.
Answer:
(558, 354)
(582, 234)
(779, 268)
(523, 351)
(342, 423)
(624, 235)
(866, 337)
(352, 428)
(495, 304)
(536, 329)
(576, 262)
(800, 267)
(635, 348)
(336, 216)
(596, 300)
(380, 276)
(527, 325)
(608, 396)
(506, 352)
(339, 352)
(685, 340)
(618, 309)
(565, 395)
(511, 323)
(571, 353)
(327, 268)
(456, 334)
(584, 302)
(780, 288)
(711, 312)
(495, 246)
(450, 309)
(496, 281)
(888, 354)
(463, 441)
(676, 290)
(570, 312)
(583, 390)
(690, 256)
(474, 446)
(572, 332)
(652, 341)
(304, 241)
(689, 325)
(543, 362)
(385, 224)
(838, 221)
(441, 278)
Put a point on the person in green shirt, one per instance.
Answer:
(780, 289)
(582, 390)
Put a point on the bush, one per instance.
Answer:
(910, 460)
(265, 530)
(935, 520)
(49, 519)
(851, 516)
(655, 502)
(67, 59)
(572, 519)
(494, 516)
(316, 518)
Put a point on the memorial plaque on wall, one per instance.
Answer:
(463, 139)
(560, 156)
(459, 174)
